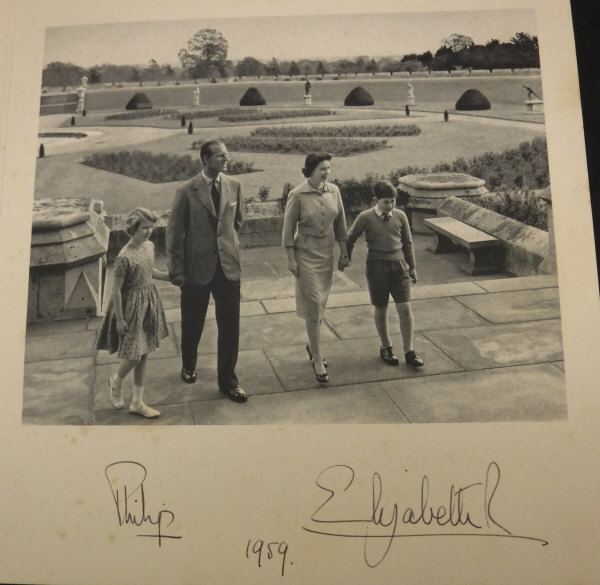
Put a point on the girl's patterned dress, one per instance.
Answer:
(142, 308)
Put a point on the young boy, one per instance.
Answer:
(390, 267)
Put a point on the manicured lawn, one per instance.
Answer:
(386, 92)
(466, 137)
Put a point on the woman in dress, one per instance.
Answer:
(134, 322)
(314, 220)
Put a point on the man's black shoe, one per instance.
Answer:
(188, 376)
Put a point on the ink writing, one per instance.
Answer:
(464, 511)
(264, 551)
(126, 480)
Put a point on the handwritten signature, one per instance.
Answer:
(126, 480)
(467, 512)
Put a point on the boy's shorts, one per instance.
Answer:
(387, 277)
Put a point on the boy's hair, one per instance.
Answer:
(384, 190)
(135, 218)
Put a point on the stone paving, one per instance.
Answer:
(492, 350)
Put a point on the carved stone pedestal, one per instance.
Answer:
(68, 259)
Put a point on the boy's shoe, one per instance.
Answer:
(412, 359)
(387, 355)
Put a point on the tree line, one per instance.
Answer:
(205, 56)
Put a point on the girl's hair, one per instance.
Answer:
(313, 160)
(135, 218)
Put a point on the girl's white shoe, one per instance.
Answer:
(116, 397)
(143, 410)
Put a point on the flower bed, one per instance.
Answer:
(337, 146)
(333, 131)
(194, 114)
(519, 204)
(156, 168)
(138, 114)
(525, 166)
(248, 115)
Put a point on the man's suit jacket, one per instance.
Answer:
(196, 236)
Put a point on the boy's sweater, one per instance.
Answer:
(386, 240)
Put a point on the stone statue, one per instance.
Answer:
(196, 96)
(81, 91)
(530, 92)
(411, 95)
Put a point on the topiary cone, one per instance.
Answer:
(190, 128)
(359, 96)
(253, 97)
(472, 99)
(140, 101)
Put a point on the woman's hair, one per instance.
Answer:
(313, 160)
(135, 218)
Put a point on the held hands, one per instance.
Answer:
(412, 273)
(121, 326)
(178, 280)
(343, 262)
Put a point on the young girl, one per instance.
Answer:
(135, 321)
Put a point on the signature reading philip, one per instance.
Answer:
(126, 480)
(465, 511)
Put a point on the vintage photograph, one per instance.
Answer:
(284, 301)
(234, 224)
(296, 293)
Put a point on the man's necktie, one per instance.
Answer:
(385, 216)
(216, 196)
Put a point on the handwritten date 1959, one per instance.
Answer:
(267, 550)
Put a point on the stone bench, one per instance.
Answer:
(483, 249)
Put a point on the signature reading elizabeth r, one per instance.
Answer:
(465, 510)
(126, 480)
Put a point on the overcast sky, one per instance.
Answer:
(284, 38)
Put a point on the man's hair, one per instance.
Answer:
(313, 160)
(135, 218)
(384, 190)
(206, 149)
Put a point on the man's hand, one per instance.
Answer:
(293, 266)
(178, 280)
(412, 273)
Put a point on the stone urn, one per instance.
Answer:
(426, 192)
(68, 259)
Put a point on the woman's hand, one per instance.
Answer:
(121, 326)
(343, 262)
(293, 266)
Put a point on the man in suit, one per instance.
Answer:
(203, 257)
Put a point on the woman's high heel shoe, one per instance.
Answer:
(321, 378)
(325, 364)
